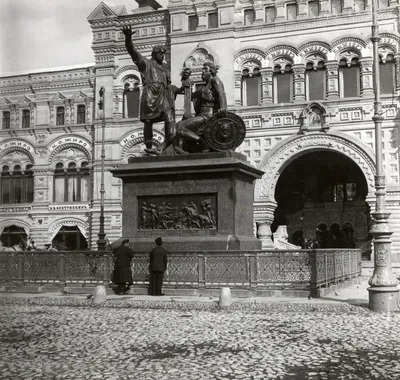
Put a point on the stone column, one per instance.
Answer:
(397, 69)
(299, 83)
(238, 88)
(266, 86)
(367, 89)
(67, 112)
(51, 114)
(332, 79)
(32, 108)
(118, 101)
(280, 11)
(72, 112)
(302, 7)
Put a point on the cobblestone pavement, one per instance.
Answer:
(331, 341)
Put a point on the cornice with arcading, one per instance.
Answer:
(16, 222)
(280, 51)
(58, 149)
(125, 68)
(133, 142)
(281, 157)
(135, 19)
(19, 149)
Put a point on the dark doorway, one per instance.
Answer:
(321, 196)
(69, 239)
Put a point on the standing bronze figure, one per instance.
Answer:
(158, 96)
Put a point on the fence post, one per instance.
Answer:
(106, 269)
(253, 270)
(63, 281)
(202, 274)
(21, 263)
(314, 274)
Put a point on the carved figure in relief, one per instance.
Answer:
(158, 96)
(145, 217)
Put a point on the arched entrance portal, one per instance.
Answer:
(69, 238)
(321, 196)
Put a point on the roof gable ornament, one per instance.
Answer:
(79, 94)
(5, 102)
(102, 11)
(58, 96)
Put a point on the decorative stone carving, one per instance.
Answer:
(197, 58)
(249, 55)
(313, 118)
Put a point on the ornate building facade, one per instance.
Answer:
(298, 73)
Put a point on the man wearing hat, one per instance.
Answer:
(158, 265)
(122, 275)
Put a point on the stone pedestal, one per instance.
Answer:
(196, 202)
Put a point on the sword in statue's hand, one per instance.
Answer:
(185, 74)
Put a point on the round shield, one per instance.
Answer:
(224, 133)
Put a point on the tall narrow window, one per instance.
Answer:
(349, 78)
(283, 84)
(5, 185)
(60, 116)
(270, 14)
(291, 11)
(193, 22)
(387, 75)
(249, 17)
(28, 177)
(26, 119)
(6, 120)
(251, 83)
(315, 81)
(313, 8)
(71, 184)
(81, 114)
(17, 185)
(336, 7)
(213, 20)
(359, 5)
(131, 100)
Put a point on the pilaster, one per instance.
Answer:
(302, 9)
(266, 86)
(299, 83)
(259, 11)
(238, 88)
(347, 6)
(324, 9)
(332, 79)
(397, 69)
(367, 89)
(280, 11)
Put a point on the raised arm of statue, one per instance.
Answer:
(137, 58)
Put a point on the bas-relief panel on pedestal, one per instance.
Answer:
(178, 212)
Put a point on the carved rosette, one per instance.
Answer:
(266, 86)
(366, 77)
(224, 133)
(332, 80)
(299, 83)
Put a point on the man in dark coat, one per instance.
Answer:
(122, 268)
(158, 265)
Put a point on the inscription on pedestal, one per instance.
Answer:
(178, 212)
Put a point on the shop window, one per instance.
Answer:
(16, 185)
(283, 85)
(315, 81)
(81, 114)
(26, 119)
(193, 22)
(6, 124)
(387, 75)
(249, 16)
(69, 238)
(349, 78)
(251, 87)
(71, 184)
(291, 11)
(60, 116)
(213, 20)
(270, 14)
(12, 235)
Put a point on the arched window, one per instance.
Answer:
(12, 235)
(283, 83)
(60, 116)
(81, 114)
(387, 75)
(69, 239)
(251, 87)
(349, 78)
(17, 185)
(71, 184)
(315, 80)
(26, 119)
(6, 120)
(131, 98)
